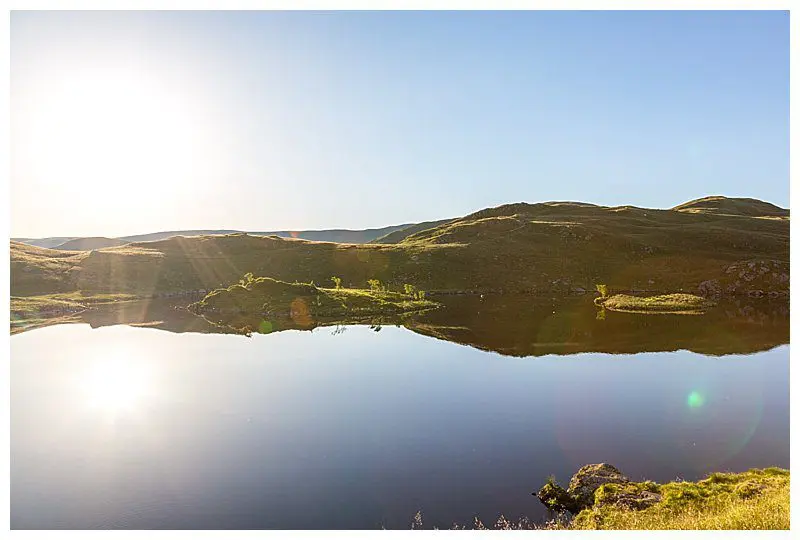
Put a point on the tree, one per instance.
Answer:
(374, 284)
(602, 289)
(337, 281)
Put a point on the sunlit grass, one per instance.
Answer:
(756, 499)
(666, 303)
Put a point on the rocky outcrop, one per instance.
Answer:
(598, 484)
(590, 477)
(710, 288)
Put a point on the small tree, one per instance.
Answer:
(337, 282)
(409, 289)
(602, 289)
(420, 295)
(374, 284)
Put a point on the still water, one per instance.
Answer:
(345, 427)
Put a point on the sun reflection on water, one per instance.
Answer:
(117, 386)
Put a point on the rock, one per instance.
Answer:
(579, 290)
(755, 294)
(710, 288)
(590, 477)
(556, 498)
(584, 484)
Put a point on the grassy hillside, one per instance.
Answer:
(733, 206)
(405, 232)
(535, 248)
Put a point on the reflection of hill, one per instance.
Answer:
(510, 325)
(525, 326)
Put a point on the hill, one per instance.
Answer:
(401, 234)
(90, 243)
(733, 206)
(556, 247)
(73, 243)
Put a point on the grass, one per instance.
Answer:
(666, 303)
(547, 247)
(756, 499)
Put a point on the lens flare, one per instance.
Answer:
(695, 400)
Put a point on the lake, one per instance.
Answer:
(458, 412)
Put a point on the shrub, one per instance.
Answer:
(337, 282)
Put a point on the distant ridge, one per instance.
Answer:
(73, 243)
(90, 243)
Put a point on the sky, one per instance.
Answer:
(133, 122)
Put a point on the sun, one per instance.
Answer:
(99, 131)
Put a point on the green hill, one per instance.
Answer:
(557, 247)
(733, 206)
(402, 234)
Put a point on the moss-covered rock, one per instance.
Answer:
(556, 497)
(589, 478)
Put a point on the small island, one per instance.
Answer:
(268, 297)
(678, 303)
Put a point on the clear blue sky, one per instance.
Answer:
(126, 123)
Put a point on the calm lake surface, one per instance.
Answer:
(458, 413)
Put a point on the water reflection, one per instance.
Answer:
(512, 325)
(116, 384)
(358, 429)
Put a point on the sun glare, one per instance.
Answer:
(97, 131)
(116, 385)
